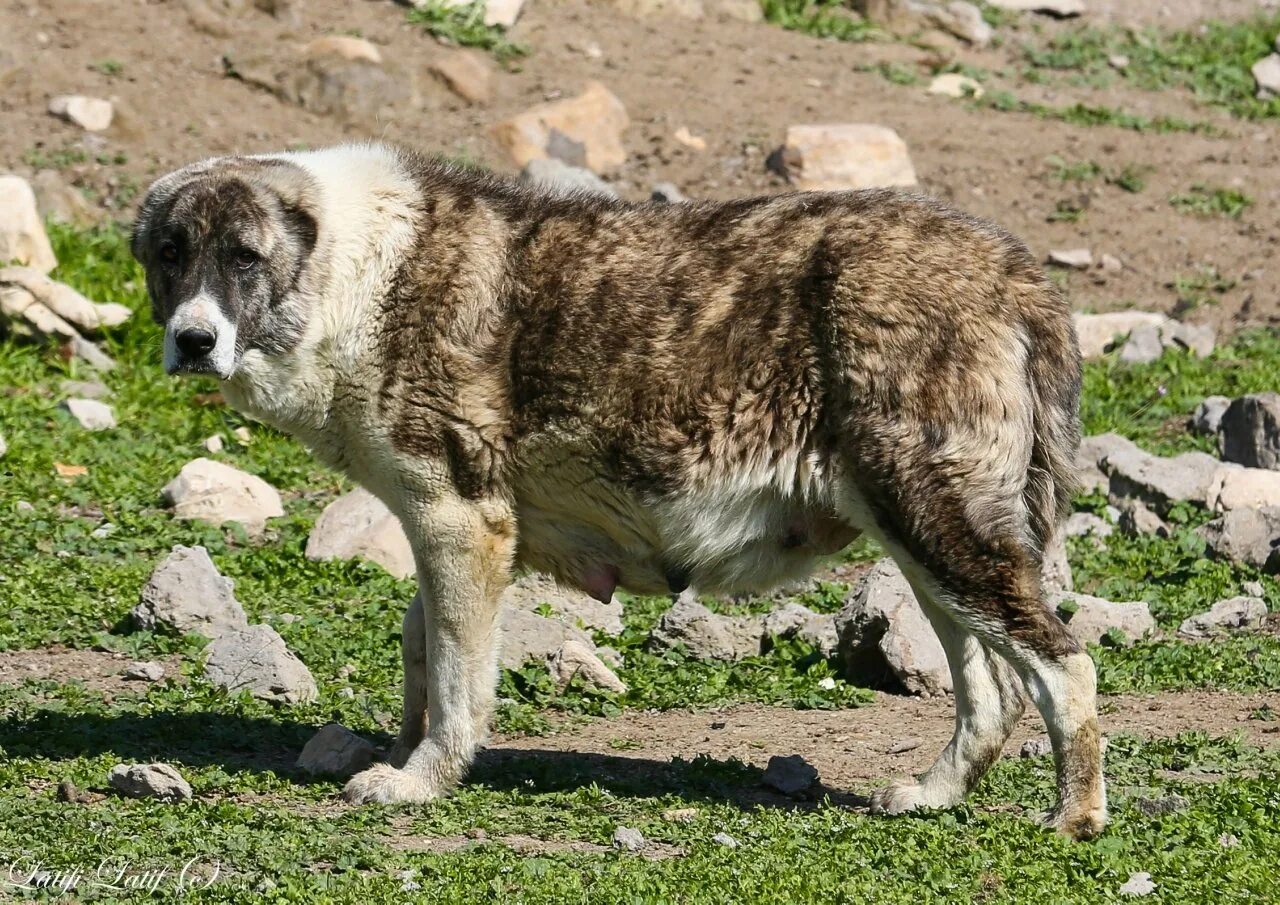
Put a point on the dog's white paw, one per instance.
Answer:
(1077, 824)
(384, 784)
(899, 797)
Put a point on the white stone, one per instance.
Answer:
(256, 660)
(1235, 487)
(1226, 615)
(576, 660)
(187, 593)
(1138, 884)
(502, 13)
(528, 636)
(1098, 333)
(844, 156)
(357, 524)
(1077, 258)
(1266, 72)
(149, 781)
(1094, 617)
(585, 130)
(91, 414)
(22, 235)
(214, 444)
(705, 635)
(1061, 9)
(336, 751)
(146, 671)
(216, 493)
(346, 47)
(953, 84)
(535, 591)
(93, 114)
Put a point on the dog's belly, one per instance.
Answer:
(594, 534)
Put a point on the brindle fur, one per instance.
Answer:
(655, 396)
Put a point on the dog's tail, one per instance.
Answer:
(1053, 370)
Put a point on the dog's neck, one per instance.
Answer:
(368, 202)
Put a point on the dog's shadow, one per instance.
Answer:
(237, 743)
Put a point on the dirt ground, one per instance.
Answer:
(737, 85)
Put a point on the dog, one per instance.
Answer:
(656, 397)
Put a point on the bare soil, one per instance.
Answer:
(737, 85)
(96, 670)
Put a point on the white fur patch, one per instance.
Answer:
(202, 311)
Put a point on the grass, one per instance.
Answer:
(1211, 62)
(464, 25)
(1080, 114)
(821, 19)
(276, 835)
(1206, 201)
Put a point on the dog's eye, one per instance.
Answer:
(245, 259)
(169, 253)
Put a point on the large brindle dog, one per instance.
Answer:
(708, 395)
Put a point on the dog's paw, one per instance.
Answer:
(899, 797)
(384, 784)
(1077, 824)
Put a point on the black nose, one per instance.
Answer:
(195, 341)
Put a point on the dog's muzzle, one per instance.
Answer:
(200, 339)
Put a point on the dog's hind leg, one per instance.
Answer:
(989, 701)
(413, 648)
(464, 551)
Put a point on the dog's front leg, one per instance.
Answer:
(464, 552)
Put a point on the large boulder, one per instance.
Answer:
(885, 637)
(705, 635)
(535, 591)
(1249, 431)
(843, 156)
(1248, 536)
(1160, 482)
(582, 131)
(214, 492)
(186, 593)
(22, 235)
(1089, 618)
(357, 524)
(256, 660)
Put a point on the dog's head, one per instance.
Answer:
(227, 245)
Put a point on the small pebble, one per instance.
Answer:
(628, 839)
(725, 839)
(902, 746)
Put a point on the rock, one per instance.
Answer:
(1094, 452)
(336, 751)
(92, 114)
(4, 447)
(628, 839)
(1224, 616)
(214, 492)
(667, 193)
(1135, 518)
(1207, 418)
(902, 746)
(1159, 807)
(689, 140)
(63, 301)
(256, 660)
(527, 636)
(214, 444)
(343, 47)
(1075, 258)
(467, 74)
(1142, 347)
(91, 414)
(1086, 524)
(86, 389)
(534, 591)
(22, 235)
(1138, 884)
(1089, 618)
(953, 84)
(1159, 482)
(838, 157)
(560, 178)
(62, 203)
(147, 671)
(502, 13)
(1118, 61)
(1055, 571)
(1099, 333)
(149, 781)
(577, 659)
(1253, 589)
(884, 636)
(1036, 747)
(1250, 430)
(1059, 9)
(581, 131)
(358, 525)
(962, 19)
(1198, 339)
(705, 635)
(1248, 536)
(791, 775)
(791, 620)
(1266, 72)
(724, 839)
(186, 593)
(1234, 487)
